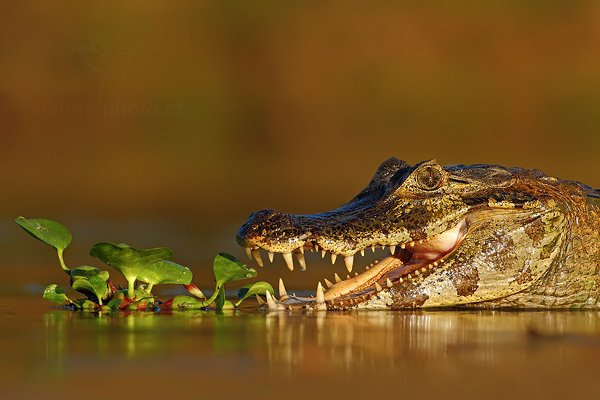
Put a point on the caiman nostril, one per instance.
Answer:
(268, 224)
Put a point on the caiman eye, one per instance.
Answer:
(429, 178)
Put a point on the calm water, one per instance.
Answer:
(60, 354)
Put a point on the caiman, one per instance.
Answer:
(458, 236)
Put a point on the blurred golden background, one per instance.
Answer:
(169, 123)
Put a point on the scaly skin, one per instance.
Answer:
(474, 236)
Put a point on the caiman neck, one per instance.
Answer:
(573, 281)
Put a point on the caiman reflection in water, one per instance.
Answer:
(329, 341)
(390, 339)
(333, 353)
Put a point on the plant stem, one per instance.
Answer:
(62, 261)
(130, 288)
(212, 298)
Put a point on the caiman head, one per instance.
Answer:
(453, 235)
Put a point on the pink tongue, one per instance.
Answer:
(441, 244)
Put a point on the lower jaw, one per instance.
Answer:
(381, 273)
(387, 273)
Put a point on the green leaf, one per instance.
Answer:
(49, 232)
(165, 272)
(228, 305)
(185, 303)
(227, 268)
(56, 294)
(220, 300)
(86, 271)
(114, 304)
(260, 288)
(85, 305)
(93, 284)
(141, 304)
(129, 260)
(138, 293)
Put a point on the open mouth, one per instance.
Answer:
(407, 263)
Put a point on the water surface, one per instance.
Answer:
(60, 354)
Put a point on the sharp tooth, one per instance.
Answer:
(337, 278)
(412, 244)
(271, 255)
(316, 247)
(349, 261)
(378, 287)
(373, 248)
(282, 291)
(362, 252)
(288, 260)
(388, 282)
(392, 249)
(423, 269)
(301, 261)
(383, 247)
(333, 258)
(347, 276)
(320, 294)
(400, 280)
(421, 241)
(248, 252)
(271, 301)
(302, 249)
(435, 263)
(259, 300)
(323, 252)
(328, 283)
(356, 274)
(403, 245)
(257, 257)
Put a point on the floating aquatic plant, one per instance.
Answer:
(142, 269)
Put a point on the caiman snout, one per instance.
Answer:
(271, 226)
